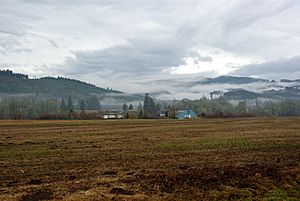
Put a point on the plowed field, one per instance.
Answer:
(205, 159)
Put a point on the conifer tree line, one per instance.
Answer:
(37, 107)
(151, 109)
(219, 107)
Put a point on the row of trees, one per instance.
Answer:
(221, 107)
(149, 110)
(9, 73)
(27, 107)
(83, 104)
(35, 107)
(281, 108)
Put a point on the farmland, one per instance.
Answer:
(205, 159)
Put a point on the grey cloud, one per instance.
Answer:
(53, 43)
(10, 25)
(205, 58)
(141, 56)
(10, 32)
(22, 50)
(10, 44)
(247, 13)
(199, 57)
(130, 38)
(277, 68)
(254, 28)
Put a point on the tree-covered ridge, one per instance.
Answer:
(11, 74)
(12, 83)
(286, 93)
(232, 80)
(289, 81)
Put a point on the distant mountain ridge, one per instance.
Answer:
(236, 88)
(289, 81)
(286, 93)
(15, 83)
(231, 80)
(231, 88)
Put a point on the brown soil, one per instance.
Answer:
(206, 159)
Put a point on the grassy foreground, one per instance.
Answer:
(206, 159)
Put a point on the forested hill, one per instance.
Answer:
(15, 83)
(232, 80)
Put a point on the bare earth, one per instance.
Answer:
(206, 159)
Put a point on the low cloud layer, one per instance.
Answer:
(274, 69)
(115, 43)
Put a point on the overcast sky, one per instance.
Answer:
(120, 43)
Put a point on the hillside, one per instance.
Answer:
(233, 88)
(286, 93)
(231, 80)
(14, 83)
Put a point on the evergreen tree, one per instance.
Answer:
(140, 114)
(70, 104)
(242, 107)
(140, 111)
(130, 107)
(140, 107)
(82, 105)
(157, 108)
(63, 106)
(149, 107)
(125, 109)
(93, 104)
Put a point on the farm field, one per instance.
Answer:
(205, 159)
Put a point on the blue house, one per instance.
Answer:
(185, 114)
